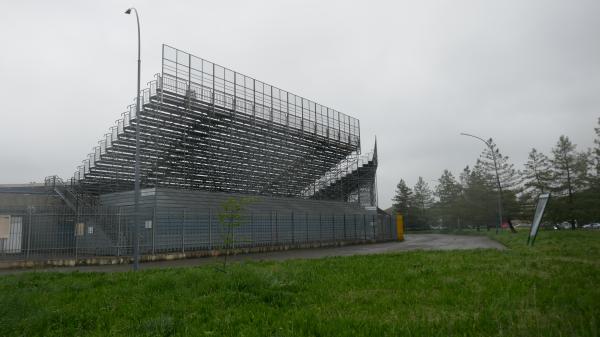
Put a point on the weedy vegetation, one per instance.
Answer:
(551, 289)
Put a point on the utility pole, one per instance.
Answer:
(136, 207)
(499, 186)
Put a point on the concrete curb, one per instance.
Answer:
(114, 260)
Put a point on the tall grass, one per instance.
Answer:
(552, 289)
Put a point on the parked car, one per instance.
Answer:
(564, 225)
(594, 225)
(438, 227)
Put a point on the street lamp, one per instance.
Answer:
(497, 177)
(136, 229)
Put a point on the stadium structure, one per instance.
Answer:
(206, 127)
(208, 133)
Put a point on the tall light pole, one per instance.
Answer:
(497, 177)
(136, 227)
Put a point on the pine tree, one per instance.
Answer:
(449, 193)
(495, 164)
(596, 157)
(422, 201)
(594, 206)
(478, 202)
(464, 177)
(537, 175)
(402, 198)
(565, 163)
(448, 189)
(423, 196)
(504, 177)
(569, 172)
(584, 166)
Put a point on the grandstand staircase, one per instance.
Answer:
(68, 193)
(350, 175)
(83, 205)
(347, 182)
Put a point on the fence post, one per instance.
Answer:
(306, 221)
(333, 226)
(76, 237)
(355, 234)
(344, 226)
(365, 225)
(77, 211)
(154, 224)
(252, 229)
(183, 233)
(373, 222)
(320, 228)
(271, 224)
(276, 228)
(209, 229)
(119, 233)
(293, 229)
(30, 214)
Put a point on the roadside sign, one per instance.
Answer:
(537, 218)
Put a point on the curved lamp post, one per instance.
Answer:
(136, 229)
(497, 177)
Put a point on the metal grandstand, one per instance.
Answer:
(206, 127)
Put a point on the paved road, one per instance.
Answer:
(411, 242)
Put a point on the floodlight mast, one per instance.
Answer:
(497, 177)
(136, 229)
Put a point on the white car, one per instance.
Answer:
(591, 226)
(563, 225)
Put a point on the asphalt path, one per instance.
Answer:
(411, 242)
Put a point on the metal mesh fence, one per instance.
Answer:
(58, 233)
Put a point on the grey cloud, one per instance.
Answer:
(415, 73)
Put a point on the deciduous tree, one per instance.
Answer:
(231, 217)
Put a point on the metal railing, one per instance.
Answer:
(59, 233)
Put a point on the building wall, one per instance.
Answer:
(179, 221)
(205, 200)
(46, 223)
(176, 220)
(20, 200)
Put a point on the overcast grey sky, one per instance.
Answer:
(416, 73)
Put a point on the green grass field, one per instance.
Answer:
(550, 290)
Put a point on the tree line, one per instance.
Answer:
(470, 199)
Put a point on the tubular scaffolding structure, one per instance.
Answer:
(206, 127)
